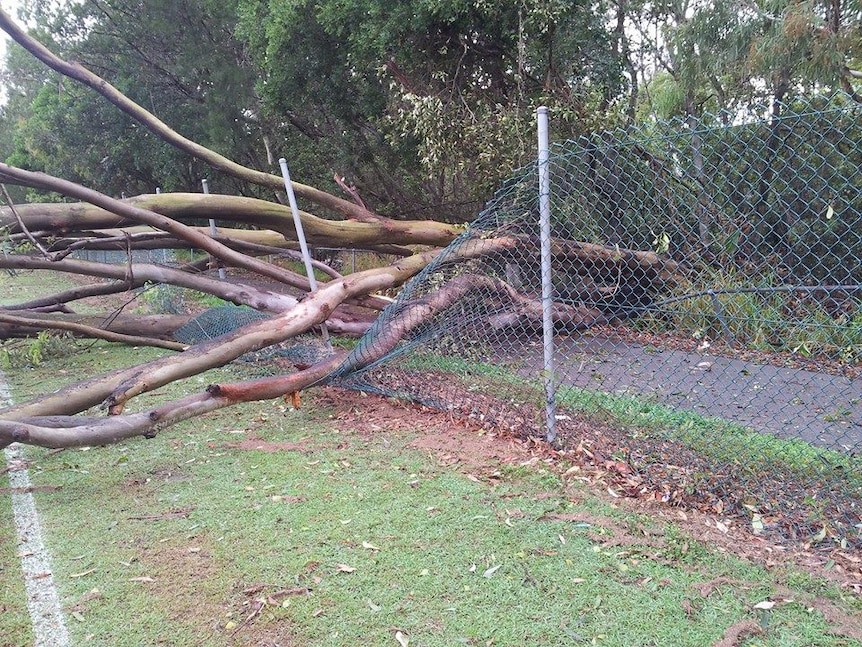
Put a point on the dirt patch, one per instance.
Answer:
(452, 439)
(169, 569)
(735, 634)
(842, 624)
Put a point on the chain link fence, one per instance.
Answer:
(707, 316)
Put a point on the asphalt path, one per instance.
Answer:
(822, 409)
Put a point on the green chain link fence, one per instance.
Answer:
(707, 311)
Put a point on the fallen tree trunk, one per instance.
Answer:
(167, 220)
(138, 274)
(65, 218)
(115, 389)
(33, 424)
(62, 431)
(23, 326)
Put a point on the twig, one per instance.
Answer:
(23, 227)
(174, 514)
(350, 189)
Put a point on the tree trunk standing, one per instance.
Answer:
(702, 205)
(773, 215)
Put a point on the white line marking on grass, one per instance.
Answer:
(43, 602)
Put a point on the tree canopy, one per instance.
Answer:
(423, 106)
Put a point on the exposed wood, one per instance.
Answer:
(63, 218)
(123, 329)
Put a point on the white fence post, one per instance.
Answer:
(213, 231)
(303, 245)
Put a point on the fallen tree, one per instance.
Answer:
(44, 237)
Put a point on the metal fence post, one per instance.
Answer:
(547, 280)
(303, 245)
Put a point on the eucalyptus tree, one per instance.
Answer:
(425, 103)
(43, 236)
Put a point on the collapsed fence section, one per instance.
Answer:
(706, 308)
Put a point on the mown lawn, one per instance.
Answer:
(358, 521)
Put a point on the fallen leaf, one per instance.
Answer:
(316, 613)
(369, 546)
(344, 568)
(83, 573)
(402, 639)
(372, 606)
(766, 605)
(491, 571)
(143, 578)
(77, 616)
(756, 524)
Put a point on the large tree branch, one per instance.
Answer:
(136, 214)
(116, 388)
(20, 324)
(138, 274)
(60, 299)
(64, 217)
(54, 431)
(67, 431)
(83, 330)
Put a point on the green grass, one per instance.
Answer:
(186, 540)
(15, 626)
(422, 541)
(712, 437)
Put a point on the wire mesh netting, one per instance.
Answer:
(707, 316)
(214, 322)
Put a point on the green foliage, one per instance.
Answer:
(194, 78)
(35, 351)
(443, 93)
